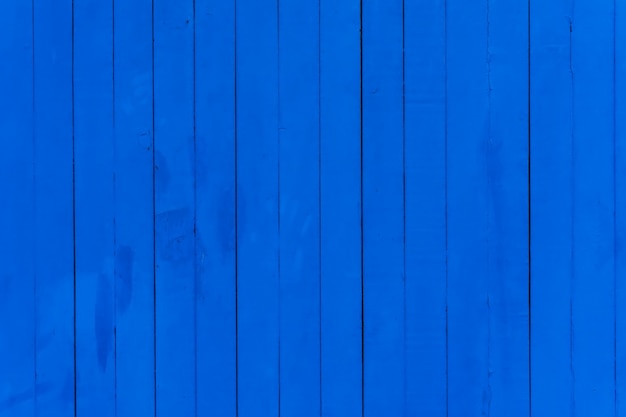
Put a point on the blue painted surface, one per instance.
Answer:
(258, 205)
(216, 334)
(174, 207)
(54, 253)
(94, 208)
(134, 238)
(425, 207)
(383, 209)
(340, 211)
(18, 341)
(301, 208)
(552, 209)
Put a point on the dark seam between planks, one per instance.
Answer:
(573, 212)
(74, 204)
(445, 19)
(34, 208)
(278, 130)
(154, 259)
(529, 162)
(404, 350)
(361, 204)
(114, 207)
(195, 222)
(319, 185)
(614, 210)
(489, 217)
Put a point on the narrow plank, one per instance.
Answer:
(551, 208)
(174, 147)
(469, 209)
(340, 183)
(94, 208)
(620, 207)
(340, 204)
(257, 207)
(54, 244)
(17, 279)
(425, 173)
(299, 192)
(506, 165)
(383, 209)
(593, 311)
(134, 246)
(215, 208)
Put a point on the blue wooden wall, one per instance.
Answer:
(304, 208)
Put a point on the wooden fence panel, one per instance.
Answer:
(300, 208)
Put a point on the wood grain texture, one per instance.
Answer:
(175, 207)
(551, 208)
(18, 384)
(340, 216)
(134, 209)
(337, 208)
(216, 255)
(383, 209)
(593, 279)
(54, 240)
(425, 114)
(299, 211)
(94, 156)
(258, 208)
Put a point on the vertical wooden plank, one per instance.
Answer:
(383, 208)
(593, 311)
(340, 183)
(175, 206)
(94, 204)
(299, 208)
(215, 190)
(469, 378)
(215, 208)
(551, 208)
(425, 173)
(506, 166)
(620, 206)
(54, 244)
(17, 276)
(134, 246)
(488, 208)
(257, 207)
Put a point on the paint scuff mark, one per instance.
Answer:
(175, 235)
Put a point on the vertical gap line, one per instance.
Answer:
(236, 208)
(195, 221)
(488, 214)
(445, 24)
(614, 209)
(319, 184)
(278, 134)
(154, 234)
(114, 206)
(74, 200)
(362, 222)
(529, 215)
(34, 206)
(573, 212)
(404, 350)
